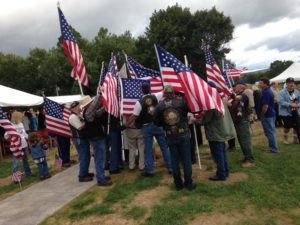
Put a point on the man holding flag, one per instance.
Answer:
(144, 109)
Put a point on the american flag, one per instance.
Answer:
(17, 176)
(72, 51)
(213, 72)
(57, 118)
(198, 93)
(136, 70)
(110, 93)
(130, 93)
(228, 82)
(231, 71)
(15, 138)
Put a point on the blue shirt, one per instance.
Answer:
(285, 99)
(36, 150)
(33, 123)
(267, 98)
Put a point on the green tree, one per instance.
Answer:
(277, 67)
(13, 70)
(181, 33)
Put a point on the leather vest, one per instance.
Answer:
(148, 104)
(94, 129)
(175, 121)
(239, 111)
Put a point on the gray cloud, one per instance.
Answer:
(258, 12)
(289, 42)
(39, 26)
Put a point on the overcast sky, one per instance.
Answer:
(264, 30)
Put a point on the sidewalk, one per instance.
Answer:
(41, 200)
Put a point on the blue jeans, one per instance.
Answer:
(180, 151)
(150, 131)
(268, 124)
(83, 148)
(219, 156)
(115, 150)
(99, 146)
(15, 164)
(43, 168)
(64, 148)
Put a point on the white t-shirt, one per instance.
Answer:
(75, 121)
(138, 107)
(21, 130)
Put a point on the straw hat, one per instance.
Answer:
(16, 117)
(85, 101)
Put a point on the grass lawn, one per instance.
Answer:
(8, 188)
(268, 194)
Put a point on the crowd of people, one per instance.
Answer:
(167, 119)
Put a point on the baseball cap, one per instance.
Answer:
(290, 79)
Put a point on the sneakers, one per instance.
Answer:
(106, 183)
(146, 174)
(247, 165)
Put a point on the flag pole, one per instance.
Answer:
(80, 86)
(120, 115)
(101, 74)
(194, 126)
(20, 185)
(223, 69)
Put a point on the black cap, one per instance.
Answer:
(74, 104)
(290, 79)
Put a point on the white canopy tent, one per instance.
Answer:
(10, 97)
(292, 71)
